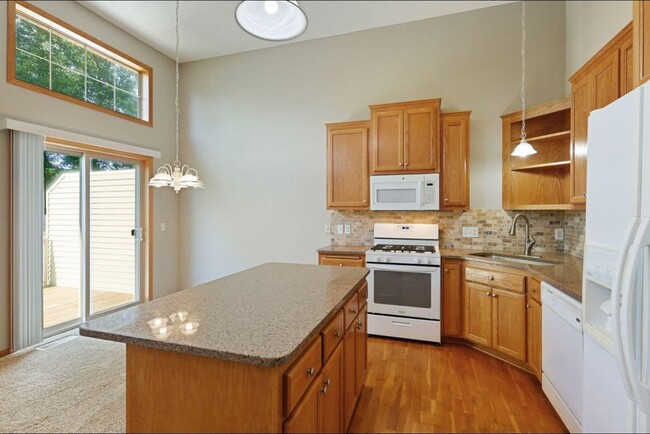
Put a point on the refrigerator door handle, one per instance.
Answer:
(617, 286)
(640, 390)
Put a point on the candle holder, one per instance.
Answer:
(163, 332)
(178, 316)
(189, 328)
(158, 322)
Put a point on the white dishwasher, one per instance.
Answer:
(562, 355)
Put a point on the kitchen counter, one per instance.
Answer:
(262, 316)
(350, 250)
(566, 276)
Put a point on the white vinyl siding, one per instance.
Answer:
(112, 216)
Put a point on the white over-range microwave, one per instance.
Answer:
(405, 192)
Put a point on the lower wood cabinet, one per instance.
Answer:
(534, 336)
(342, 259)
(333, 392)
(452, 271)
(495, 315)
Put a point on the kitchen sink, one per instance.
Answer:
(521, 259)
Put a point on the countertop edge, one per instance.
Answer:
(222, 355)
(525, 267)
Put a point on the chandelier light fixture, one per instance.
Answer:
(179, 176)
(271, 20)
(523, 149)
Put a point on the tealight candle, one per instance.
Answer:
(163, 332)
(178, 316)
(189, 328)
(157, 322)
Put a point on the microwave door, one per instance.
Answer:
(397, 196)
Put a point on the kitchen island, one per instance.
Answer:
(276, 347)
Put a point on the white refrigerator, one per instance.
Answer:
(616, 284)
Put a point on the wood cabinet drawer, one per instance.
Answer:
(333, 333)
(512, 282)
(351, 309)
(535, 289)
(343, 261)
(363, 295)
(299, 377)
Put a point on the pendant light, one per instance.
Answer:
(523, 149)
(271, 20)
(181, 175)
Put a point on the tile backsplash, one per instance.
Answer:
(492, 224)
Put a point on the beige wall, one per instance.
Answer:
(589, 26)
(22, 104)
(254, 122)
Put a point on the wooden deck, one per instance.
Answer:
(61, 304)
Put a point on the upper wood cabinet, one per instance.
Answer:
(454, 171)
(602, 80)
(641, 45)
(539, 181)
(404, 137)
(347, 165)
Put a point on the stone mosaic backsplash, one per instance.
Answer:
(493, 226)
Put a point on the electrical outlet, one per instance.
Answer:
(326, 229)
(559, 234)
(163, 227)
(347, 230)
(470, 231)
(339, 229)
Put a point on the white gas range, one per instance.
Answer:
(404, 282)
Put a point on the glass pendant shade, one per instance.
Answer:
(523, 149)
(271, 20)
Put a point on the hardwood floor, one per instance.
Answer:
(418, 387)
(61, 304)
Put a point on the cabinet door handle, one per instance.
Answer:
(406, 164)
(488, 293)
(528, 306)
(359, 325)
(311, 372)
(494, 296)
(327, 382)
(490, 277)
(532, 289)
(337, 333)
(324, 390)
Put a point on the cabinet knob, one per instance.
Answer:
(337, 333)
(528, 306)
(406, 164)
(340, 265)
(327, 382)
(446, 200)
(532, 289)
(488, 293)
(354, 311)
(324, 390)
(490, 277)
(359, 325)
(311, 372)
(494, 296)
(446, 270)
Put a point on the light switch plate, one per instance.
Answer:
(163, 227)
(339, 229)
(347, 229)
(559, 234)
(470, 231)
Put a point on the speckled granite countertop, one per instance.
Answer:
(333, 250)
(264, 316)
(566, 275)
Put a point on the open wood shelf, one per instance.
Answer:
(549, 137)
(566, 163)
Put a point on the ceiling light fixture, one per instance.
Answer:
(181, 175)
(271, 20)
(523, 149)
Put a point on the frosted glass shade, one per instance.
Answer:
(523, 149)
(271, 20)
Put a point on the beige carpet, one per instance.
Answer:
(77, 386)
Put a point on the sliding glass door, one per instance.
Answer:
(92, 236)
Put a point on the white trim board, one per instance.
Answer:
(12, 124)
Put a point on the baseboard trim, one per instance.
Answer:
(5, 352)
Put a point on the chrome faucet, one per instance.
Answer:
(530, 240)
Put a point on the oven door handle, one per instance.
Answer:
(425, 268)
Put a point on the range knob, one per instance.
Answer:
(419, 261)
(379, 258)
(430, 261)
(387, 259)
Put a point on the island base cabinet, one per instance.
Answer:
(169, 391)
(305, 416)
(361, 350)
(349, 368)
